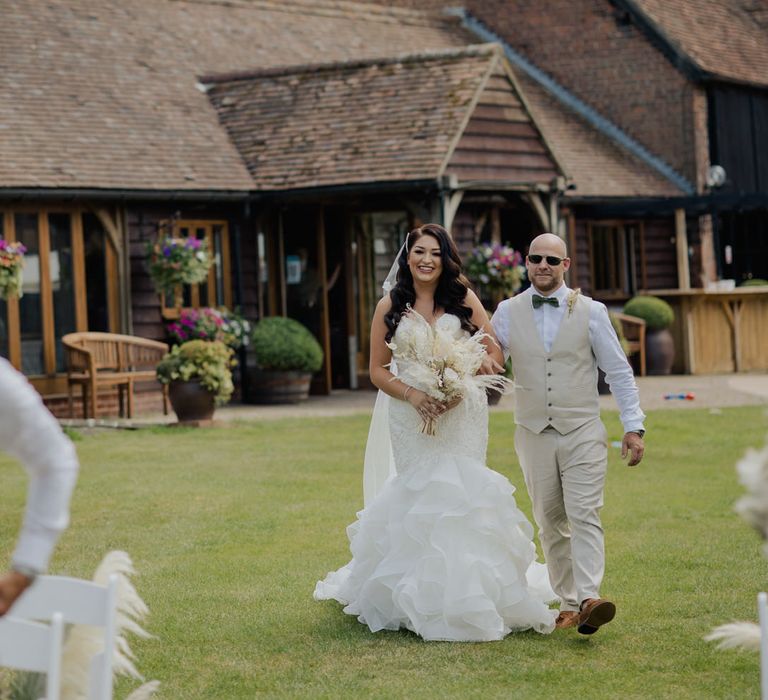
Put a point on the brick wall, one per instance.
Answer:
(147, 399)
(592, 49)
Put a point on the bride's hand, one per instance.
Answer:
(448, 405)
(425, 405)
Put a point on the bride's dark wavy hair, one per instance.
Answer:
(451, 288)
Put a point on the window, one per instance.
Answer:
(3, 307)
(612, 257)
(57, 294)
(217, 289)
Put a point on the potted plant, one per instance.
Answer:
(496, 270)
(659, 344)
(199, 378)
(286, 355)
(11, 263)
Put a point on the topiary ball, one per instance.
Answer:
(284, 344)
(656, 312)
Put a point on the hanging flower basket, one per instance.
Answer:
(11, 263)
(173, 261)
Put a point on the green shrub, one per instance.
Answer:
(283, 344)
(207, 360)
(656, 312)
(754, 282)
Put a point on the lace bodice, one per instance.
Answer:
(461, 430)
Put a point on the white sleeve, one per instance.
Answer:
(31, 434)
(500, 325)
(618, 372)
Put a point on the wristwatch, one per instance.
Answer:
(637, 432)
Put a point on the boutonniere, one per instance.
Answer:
(572, 299)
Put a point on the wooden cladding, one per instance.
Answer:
(739, 136)
(500, 143)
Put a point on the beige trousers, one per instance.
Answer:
(565, 476)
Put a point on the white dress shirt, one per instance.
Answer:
(605, 346)
(31, 434)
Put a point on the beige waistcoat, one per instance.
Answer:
(556, 388)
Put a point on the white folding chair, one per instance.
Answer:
(77, 602)
(34, 646)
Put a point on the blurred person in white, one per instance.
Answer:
(32, 435)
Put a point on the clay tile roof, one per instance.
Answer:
(597, 165)
(353, 122)
(104, 93)
(726, 38)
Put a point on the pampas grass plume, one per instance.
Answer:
(736, 635)
(752, 507)
(84, 642)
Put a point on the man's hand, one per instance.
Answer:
(633, 445)
(490, 366)
(12, 585)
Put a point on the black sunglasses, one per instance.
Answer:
(551, 259)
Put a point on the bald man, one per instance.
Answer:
(557, 339)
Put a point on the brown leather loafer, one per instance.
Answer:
(566, 618)
(595, 612)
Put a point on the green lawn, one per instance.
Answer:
(230, 528)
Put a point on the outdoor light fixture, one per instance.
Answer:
(715, 176)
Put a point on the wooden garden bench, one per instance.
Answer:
(96, 360)
(634, 332)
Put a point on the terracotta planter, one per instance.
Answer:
(659, 351)
(267, 387)
(191, 401)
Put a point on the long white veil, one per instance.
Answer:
(379, 465)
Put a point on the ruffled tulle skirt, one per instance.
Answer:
(444, 551)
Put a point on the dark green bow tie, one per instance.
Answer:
(538, 300)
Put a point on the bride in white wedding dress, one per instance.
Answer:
(440, 548)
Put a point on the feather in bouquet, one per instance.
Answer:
(442, 362)
(753, 507)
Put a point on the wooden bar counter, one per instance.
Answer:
(718, 331)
